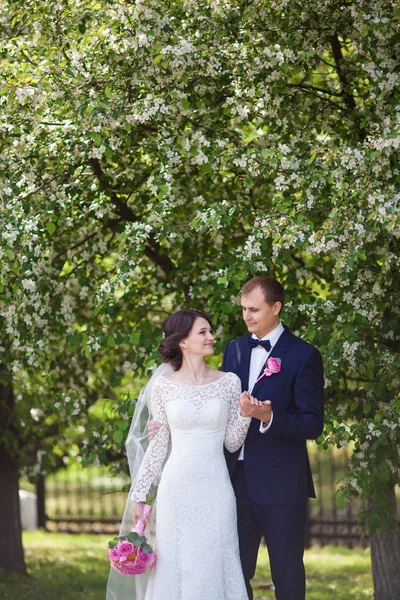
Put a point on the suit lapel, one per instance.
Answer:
(278, 351)
(244, 362)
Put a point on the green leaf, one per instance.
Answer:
(135, 339)
(157, 59)
(1, 287)
(373, 522)
(118, 436)
(74, 340)
(206, 168)
(97, 137)
(147, 549)
(312, 157)
(348, 330)
(185, 103)
(133, 537)
(110, 341)
(51, 228)
(340, 501)
(10, 253)
(371, 367)
(108, 92)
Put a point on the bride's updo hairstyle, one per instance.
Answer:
(176, 328)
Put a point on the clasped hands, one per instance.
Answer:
(251, 407)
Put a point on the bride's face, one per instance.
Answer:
(200, 340)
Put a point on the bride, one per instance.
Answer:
(196, 541)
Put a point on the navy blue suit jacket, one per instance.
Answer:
(277, 469)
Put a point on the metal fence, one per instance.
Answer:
(328, 523)
(78, 500)
(91, 500)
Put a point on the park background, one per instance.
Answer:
(154, 155)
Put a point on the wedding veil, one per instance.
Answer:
(128, 587)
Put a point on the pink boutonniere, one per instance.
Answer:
(273, 365)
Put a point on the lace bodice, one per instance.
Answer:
(198, 420)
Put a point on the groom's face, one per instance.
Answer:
(259, 316)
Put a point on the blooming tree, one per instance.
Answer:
(155, 155)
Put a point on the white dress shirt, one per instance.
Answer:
(258, 358)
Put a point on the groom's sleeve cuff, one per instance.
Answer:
(265, 426)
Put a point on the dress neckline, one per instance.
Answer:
(195, 384)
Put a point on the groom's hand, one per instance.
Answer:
(263, 411)
(153, 428)
(251, 407)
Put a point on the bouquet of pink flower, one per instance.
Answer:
(131, 554)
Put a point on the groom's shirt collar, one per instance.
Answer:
(273, 336)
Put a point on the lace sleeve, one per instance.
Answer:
(157, 448)
(237, 426)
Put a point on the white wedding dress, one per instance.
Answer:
(196, 537)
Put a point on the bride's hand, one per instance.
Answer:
(256, 402)
(245, 404)
(250, 406)
(137, 513)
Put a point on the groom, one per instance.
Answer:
(271, 473)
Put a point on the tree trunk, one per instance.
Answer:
(11, 550)
(385, 552)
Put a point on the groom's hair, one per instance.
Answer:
(271, 288)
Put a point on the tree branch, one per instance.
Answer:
(315, 88)
(152, 250)
(348, 98)
(86, 239)
(338, 56)
(309, 91)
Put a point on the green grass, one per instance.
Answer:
(333, 573)
(74, 567)
(61, 566)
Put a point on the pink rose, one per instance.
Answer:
(143, 558)
(125, 548)
(274, 364)
(113, 554)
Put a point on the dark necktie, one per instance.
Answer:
(266, 344)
